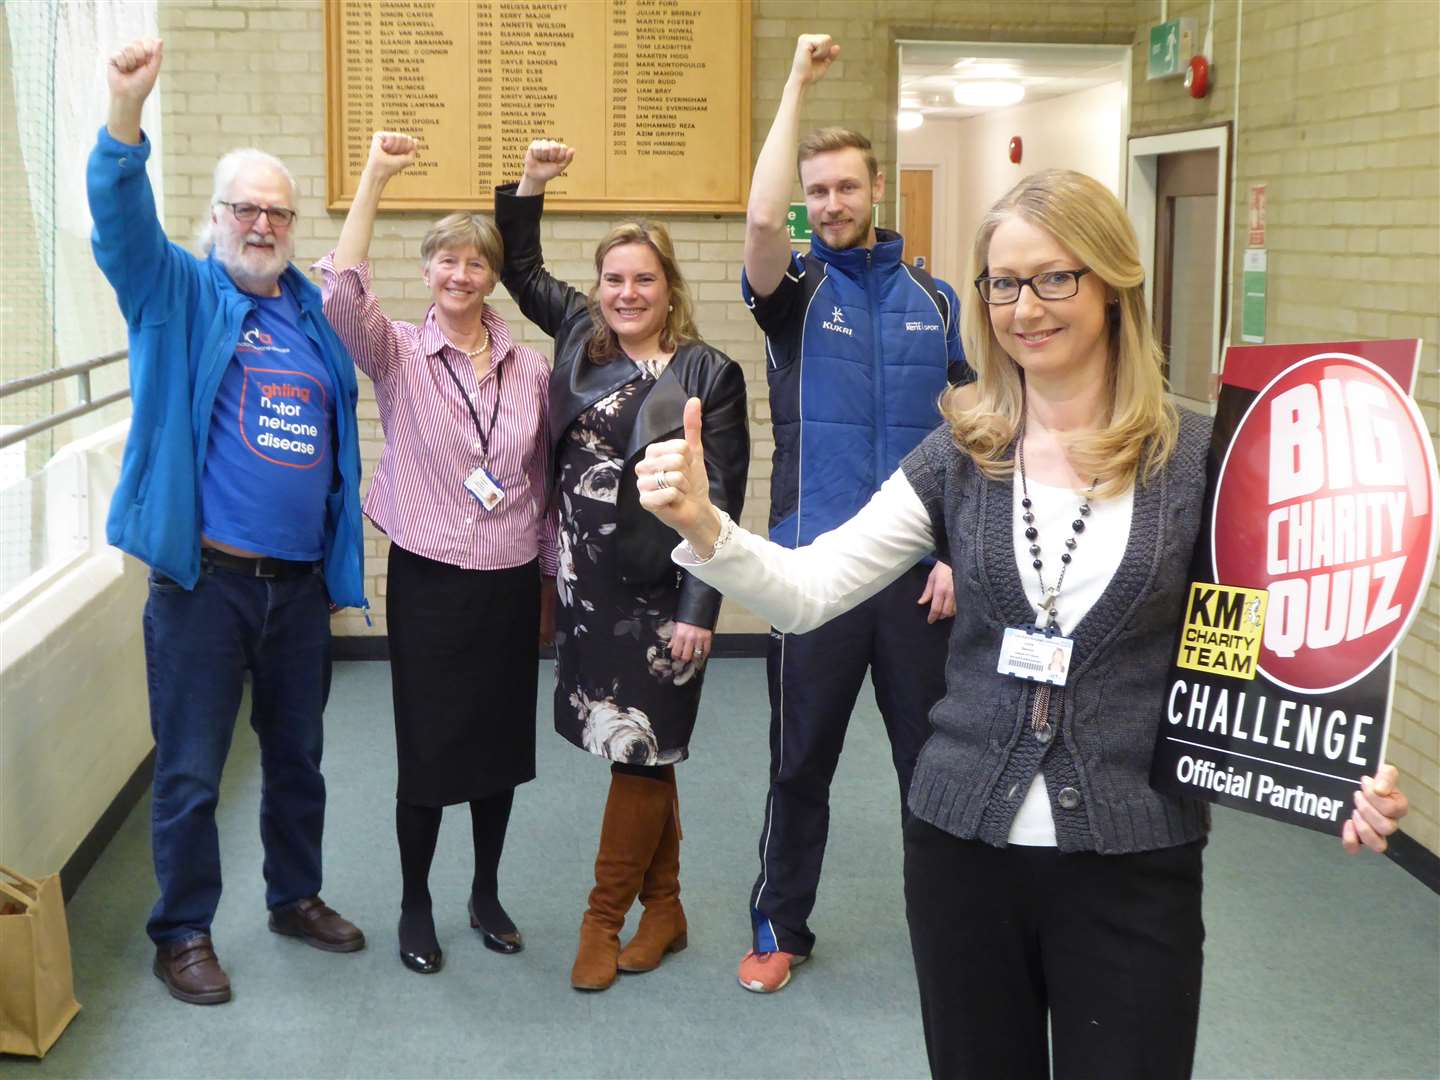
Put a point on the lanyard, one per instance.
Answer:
(494, 413)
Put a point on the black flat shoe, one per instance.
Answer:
(423, 963)
(508, 943)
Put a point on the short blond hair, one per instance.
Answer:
(1138, 433)
(824, 140)
(679, 328)
(456, 232)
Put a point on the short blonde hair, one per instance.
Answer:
(679, 328)
(824, 140)
(456, 232)
(1138, 433)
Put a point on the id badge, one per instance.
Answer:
(1028, 653)
(485, 488)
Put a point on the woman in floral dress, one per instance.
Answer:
(632, 631)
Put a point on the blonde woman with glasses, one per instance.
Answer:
(1053, 895)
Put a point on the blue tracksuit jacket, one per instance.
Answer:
(859, 347)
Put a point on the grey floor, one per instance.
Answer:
(1316, 965)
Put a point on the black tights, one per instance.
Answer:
(417, 828)
(663, 773)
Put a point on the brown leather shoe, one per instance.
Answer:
(316, 923)
(189, 970)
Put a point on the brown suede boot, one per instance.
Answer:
(635, 817)
(662, 927)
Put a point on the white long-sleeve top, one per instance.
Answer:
(799, 589)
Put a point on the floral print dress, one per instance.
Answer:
(618, 693)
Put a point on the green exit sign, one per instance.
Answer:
(797, 220)
(1172, 43)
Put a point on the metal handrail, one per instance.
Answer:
(40, 378)
(80, 371)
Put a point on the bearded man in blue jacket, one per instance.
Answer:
(859, 346)
(240, 489)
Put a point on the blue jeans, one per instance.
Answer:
(198, 647)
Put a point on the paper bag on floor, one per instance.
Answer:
(37, 995)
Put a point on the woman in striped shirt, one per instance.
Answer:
(460, 490)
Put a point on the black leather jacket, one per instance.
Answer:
(696, 370)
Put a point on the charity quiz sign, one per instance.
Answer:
(1312, 562)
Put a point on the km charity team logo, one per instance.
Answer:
(1327, 495)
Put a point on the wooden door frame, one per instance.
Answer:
(1142, 182)
(937, 177)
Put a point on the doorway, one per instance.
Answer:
(1179, 199)
(980, 116)
(917, 215)
(1186, 204)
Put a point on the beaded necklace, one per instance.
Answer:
(1046, 613)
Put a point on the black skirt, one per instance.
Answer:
(464, 660)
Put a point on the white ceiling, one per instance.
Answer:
(929, 71)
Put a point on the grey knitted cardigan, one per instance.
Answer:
(976, 768)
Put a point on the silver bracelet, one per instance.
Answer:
(727, 530)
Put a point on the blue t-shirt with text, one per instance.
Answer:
(269, 464)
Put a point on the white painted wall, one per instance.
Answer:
(972, 162)
(74, 716)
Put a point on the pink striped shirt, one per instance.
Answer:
(417, 496)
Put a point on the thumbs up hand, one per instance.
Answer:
(675, 487)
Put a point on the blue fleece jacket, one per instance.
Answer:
(858, 348)
(184, 316)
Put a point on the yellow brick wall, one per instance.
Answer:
(1338, 115)
(224, 61)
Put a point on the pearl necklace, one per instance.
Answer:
(484, 343)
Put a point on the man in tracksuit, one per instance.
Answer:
(240, 489)
(859, 347)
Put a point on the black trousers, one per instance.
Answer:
(815, 679)
(1108, 947)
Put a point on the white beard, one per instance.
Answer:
(254, 269)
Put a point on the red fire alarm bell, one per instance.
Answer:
(1197, 77)
(1017, 148)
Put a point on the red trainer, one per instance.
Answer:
(767, 972)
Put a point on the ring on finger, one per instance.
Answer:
(660, 482)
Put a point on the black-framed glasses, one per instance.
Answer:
(246, 213)
(1051, 285)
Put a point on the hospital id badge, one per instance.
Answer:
(1028, 653)
(484, 487)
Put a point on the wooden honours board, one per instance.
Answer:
(653, 94)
